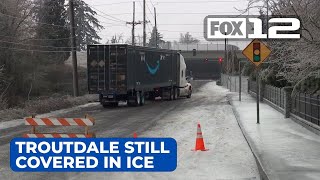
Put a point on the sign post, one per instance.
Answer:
(258, 96)
(240, 80)
(257, 52)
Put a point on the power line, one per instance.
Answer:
(15, 17)
(117, 19)
(149, 10)
(182, 13)
(198, 37)
(152, 3)
(112, 24)
(207, 13)
(218, 1)
(30, 50)
(198, 32)
(58, 39)
(107, 18)
(165, 2)
(181, 24)
(133, 23)
(35, 39)
(147, 19)
(114, 18)
(34, 45)
(124, 2)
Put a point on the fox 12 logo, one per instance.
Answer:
(251, 27)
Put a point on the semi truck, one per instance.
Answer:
(122, 72)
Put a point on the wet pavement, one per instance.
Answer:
(286, 150)
(229, 156)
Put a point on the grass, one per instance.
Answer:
(41, 106)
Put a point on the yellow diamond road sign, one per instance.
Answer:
(257, 52)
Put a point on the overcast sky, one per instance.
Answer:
(173, 16)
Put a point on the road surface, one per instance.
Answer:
(229, 156)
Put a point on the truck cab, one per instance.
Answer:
(185, 87)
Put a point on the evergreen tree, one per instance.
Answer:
(155, 36)
(86, 25)
(52, 25)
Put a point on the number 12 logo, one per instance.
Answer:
(273, 31)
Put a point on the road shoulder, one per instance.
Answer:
(263, 174)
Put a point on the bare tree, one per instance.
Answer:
(187, 39)
(294, 61)
(115, 39)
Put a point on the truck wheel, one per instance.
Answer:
(171, 94)
(137, 99)
(114, 104)
(142, 99)
(189, 94)
(130, 102)
(175, 93)
(100, 97)
(151, 96)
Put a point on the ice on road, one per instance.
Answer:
(229, 156)
(287, 150)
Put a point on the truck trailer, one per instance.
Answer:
(121, 72)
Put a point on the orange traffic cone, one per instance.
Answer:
(199, 140)
(135, 135)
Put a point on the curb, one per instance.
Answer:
(262, 172)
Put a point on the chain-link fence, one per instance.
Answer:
(198, 46)
(232, 83)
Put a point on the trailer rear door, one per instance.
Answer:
(96, 61)
(107, 68)
(118, 69)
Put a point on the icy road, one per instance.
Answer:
(229, 156)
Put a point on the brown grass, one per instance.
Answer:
(46, 105)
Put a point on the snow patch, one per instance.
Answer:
(229, 156)
(19, 122)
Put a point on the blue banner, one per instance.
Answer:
(93, 154)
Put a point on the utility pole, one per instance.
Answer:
(258, 95)
(227, 61)
(267, 17)
(225, 51)
(144, 23)
(155, 25)
(240, 80)
(73, 50)
(133, 23)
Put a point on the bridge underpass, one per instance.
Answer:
(202, 69)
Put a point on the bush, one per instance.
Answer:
(55, 103)
(41, 105)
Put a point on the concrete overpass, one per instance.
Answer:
(210, 69)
